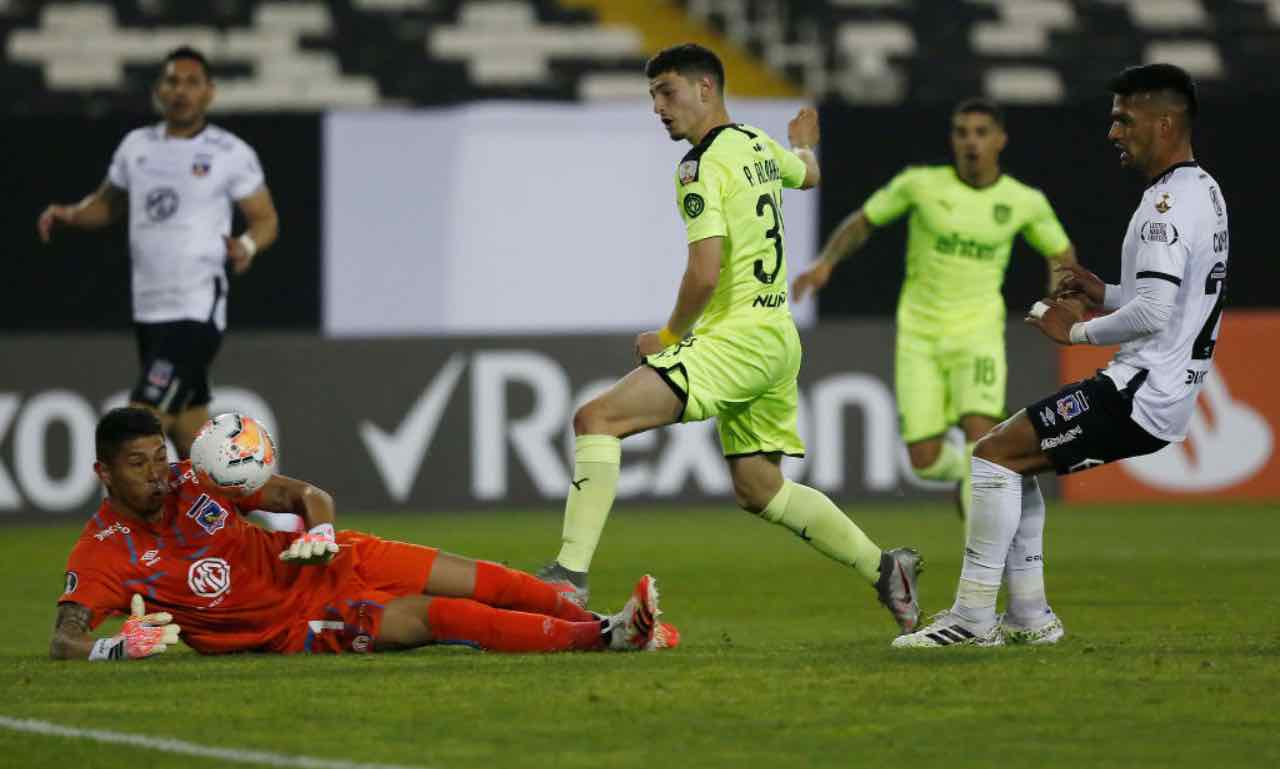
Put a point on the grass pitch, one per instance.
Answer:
(1172, 658)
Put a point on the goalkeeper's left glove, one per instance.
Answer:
(316, 546)
(142, 635)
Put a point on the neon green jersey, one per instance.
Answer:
(958, 243)
(730, 186)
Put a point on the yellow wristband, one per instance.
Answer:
(667, 337)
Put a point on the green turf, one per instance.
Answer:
(1172, 658)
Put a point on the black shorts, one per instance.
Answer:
(1089, 423)
(175, 360)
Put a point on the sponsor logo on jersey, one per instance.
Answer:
(112, 529)
(208, 513)
(1002, 212)
(201, 165)
(1165, 202)
(694, 204)
(1217, 202)
(1072, 406)
(688, 171)
(1159, 232)
(150, 557)
(209, 577)
(161, 203)
(1059, 440)
(73, 581)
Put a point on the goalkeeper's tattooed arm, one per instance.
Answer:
(71, 637)
(142, 635)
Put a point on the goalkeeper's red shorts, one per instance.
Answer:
(348, 620)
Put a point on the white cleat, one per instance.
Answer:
(1045, 633)
(635, 628)
(945, 629)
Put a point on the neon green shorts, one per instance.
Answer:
(939, 379)
(745, 379)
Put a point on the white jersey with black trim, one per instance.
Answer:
(180, 196)
(1178, 234)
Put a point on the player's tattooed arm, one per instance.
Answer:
(71, 636)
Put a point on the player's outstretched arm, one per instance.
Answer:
(264, 227)
(283, 494)
(852, 234)
(98, 209)
(142, 635)
(803, 134)
(696, 288)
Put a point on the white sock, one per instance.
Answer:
(1024, 569)
(993, 521)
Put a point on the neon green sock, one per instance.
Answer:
(597, 461)
(951, 465)
(816, 519)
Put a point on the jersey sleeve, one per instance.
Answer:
(1043, 230)
(1163, 248)
(892, 200)
(701, 201)
(790, 165)
(246, 173)
(91, 584)
(118, 171)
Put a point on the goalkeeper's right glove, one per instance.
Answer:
(142, 635)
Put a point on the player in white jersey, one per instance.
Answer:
(177, 179)
(1165, 314)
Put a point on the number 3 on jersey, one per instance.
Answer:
(775, 234)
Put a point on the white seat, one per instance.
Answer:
(1167, 14)
(293, 17)
(497, 13)
(990, 38)
(888, 37)
(1200, 58)
(613, 86)
(1023, 85)
(77, 16)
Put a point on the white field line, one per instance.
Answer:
(167, 745)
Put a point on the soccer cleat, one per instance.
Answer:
(666, 636)
(897, 585)
(572, 583)
(635, 627)
(1046, 633)
(945, 629)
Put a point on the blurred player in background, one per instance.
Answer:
(162, 538)
(177, 179)
(1165, 317)
(949, 367)
(730, 350)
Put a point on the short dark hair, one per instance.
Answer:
(981, 106)
(186, 52)
(119, 426)
(688, 60)
(1153, 78)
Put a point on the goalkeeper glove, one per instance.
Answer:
(316, 546)
(142, 635)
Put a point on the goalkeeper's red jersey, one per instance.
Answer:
(218, 575)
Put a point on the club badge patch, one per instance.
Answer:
(201, 165)
(1072, 406)
(1165, 202)
(1002, 212)
(687, 171)
(693, 205)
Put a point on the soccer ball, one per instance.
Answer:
(234, 454)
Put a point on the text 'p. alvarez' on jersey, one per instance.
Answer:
(730, 186)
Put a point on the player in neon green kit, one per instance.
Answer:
(730, 350)
(950, 367)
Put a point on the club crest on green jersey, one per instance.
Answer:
(1002, 213)
(693, 205)
(688, 171)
